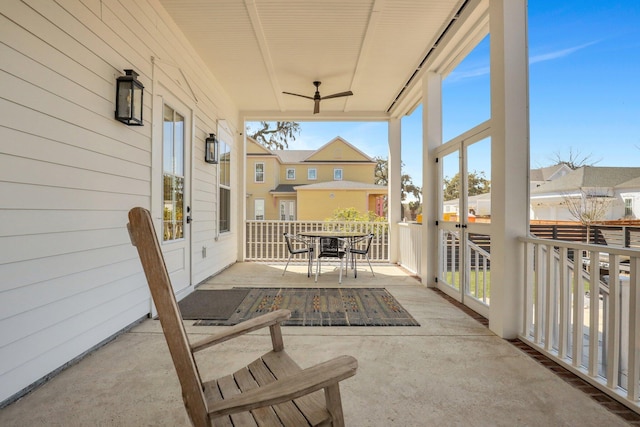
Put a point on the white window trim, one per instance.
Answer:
(335, 171)
(315, 170)
(224, 148)
(255, 172)
(255, 210)
(286, 175)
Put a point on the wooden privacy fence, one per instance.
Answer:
(611, 235)
(265, 239)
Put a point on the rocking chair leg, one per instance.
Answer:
(334, 405)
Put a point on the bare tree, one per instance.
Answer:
(575, 159)
(588, 207)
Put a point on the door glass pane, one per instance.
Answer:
(178, 145)
(225, 209)
(451, 186)
(479, 181)
(292, 211)
(173, 174)
(450, 245)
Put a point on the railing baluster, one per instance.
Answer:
(634, 342)
(578, 309)
(550, 302)
(539, 292)
(565, 303)
(613, 330)
(527, 321)
(594, 311)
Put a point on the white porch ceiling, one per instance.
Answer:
(259, 48)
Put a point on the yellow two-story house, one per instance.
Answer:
(310, 184)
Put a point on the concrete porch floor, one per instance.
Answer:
(449, 371)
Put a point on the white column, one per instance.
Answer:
(431, 139)
(394, 212)
(509, 162)
(242, 192)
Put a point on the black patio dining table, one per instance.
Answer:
(347, 235)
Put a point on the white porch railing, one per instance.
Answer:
(410, 249)
(589, 326)
(265, 239)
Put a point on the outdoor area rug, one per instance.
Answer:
(318, 307)
(211, 304)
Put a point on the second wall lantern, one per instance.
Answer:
(129, 93)
(211, 150)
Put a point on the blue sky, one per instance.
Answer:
(584, 90)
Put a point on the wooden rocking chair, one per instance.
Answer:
(271, 391)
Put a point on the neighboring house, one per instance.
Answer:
(551, 185)
(310, 184)
(540, 176)
(630, 193)
(619, 184)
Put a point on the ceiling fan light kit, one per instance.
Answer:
(316, 98)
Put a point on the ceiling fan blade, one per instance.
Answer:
(316, 107)
(297, 94)
(338, 95)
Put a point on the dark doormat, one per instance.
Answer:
(321, 307)
(212, 304)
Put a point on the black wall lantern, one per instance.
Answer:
(129, 93)
(211, 149)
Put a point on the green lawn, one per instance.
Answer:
(452, 278)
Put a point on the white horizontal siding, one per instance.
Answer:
(69, 173)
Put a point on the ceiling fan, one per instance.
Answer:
(317, 98)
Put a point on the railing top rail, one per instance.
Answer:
(583, 246)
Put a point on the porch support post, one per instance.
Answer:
(242, 194)
(394, 211)
(509, 162)
(431, 139)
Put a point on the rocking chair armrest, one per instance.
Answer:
(299, 384)
(269, 319)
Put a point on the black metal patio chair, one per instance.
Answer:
(361, 246)
(307, 247)
(332, 247)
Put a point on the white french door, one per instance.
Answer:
(287, 210)
(171, 199)
(464, 223)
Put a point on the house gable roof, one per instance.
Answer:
(633, 184)
(293, 156)
(549, 173)
(338, 150)
(254, 148)
(589, 177)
